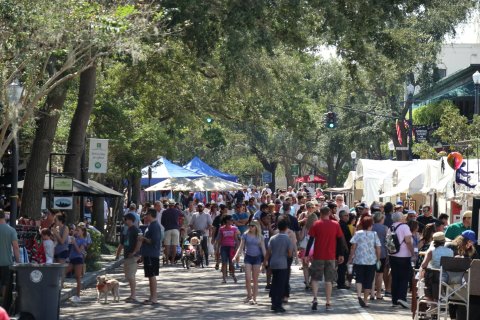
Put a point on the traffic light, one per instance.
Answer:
(331, 120)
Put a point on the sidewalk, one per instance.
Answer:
(107, 262)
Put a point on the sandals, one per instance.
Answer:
(252, 302)
(149, 303)
(224, 280)
(234, 278)
(314, 304)
(131, 300)
(247, 300)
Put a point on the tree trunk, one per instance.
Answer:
(41, 149)
(78, 128)
(136, 190)
(98, 213)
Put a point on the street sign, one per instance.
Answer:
(98, 156)
(267, 177)
(295, 169)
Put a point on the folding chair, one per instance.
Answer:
(456, 289)
(474, 293)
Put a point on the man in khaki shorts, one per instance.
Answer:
(170, 221)
(130, 246)
(326, 233)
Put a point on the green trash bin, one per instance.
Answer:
(38, 287)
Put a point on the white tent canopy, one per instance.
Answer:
(212, 184)
(173, 184)
(412, 177)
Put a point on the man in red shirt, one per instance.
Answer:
(326, 233)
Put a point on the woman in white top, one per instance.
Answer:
(365, 253)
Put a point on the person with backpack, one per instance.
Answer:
(400, 248)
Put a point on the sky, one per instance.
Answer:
(468, 32)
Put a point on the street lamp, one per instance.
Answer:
(476, 81)
(299, 158)
(391, 148)
(410, 91)
(14, 94)
(353, 155)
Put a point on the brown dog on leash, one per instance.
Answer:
(104, 286)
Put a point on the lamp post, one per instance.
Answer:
(410, 91)
(476, 81)
(15, 90)
(299, 158)
(391, 148)
(353, 155)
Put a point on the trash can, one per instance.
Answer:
(38, 287)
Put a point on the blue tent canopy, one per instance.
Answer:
(204, 169)
(163, 169)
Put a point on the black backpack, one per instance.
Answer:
(392, 243)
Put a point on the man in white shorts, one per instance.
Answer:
(170, 221)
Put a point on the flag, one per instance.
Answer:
(399, 132)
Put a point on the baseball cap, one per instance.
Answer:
(439, 236)
(171, 201)
(200, 204)
(470, 235)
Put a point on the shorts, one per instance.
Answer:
(151, 266)
(171, 237)
(323, 268)
(5, 274)
(364, 274)
(130, 267)
(227, 254)
(76, 261)
(62, 255)
(382, 265)
(253, 260)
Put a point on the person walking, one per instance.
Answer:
(227, 237)
(171, 240)
(400, 262)
(326, 233)
(364, 253)
(253, 243)
(279, 250)
(77, 257)
(150, 250)
(381, 230)
(8, 241)
(202, 222)
(342, 268)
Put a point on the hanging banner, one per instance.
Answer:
(98, 156)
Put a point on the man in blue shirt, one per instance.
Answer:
(150, 251)
(240, 217)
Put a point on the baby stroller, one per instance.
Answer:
(178, 255)
(192, 251)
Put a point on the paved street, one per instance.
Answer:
(198, 294)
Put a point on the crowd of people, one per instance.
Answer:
(332, 242)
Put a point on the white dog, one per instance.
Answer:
(104, 286)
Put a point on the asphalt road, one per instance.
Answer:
(199, 294)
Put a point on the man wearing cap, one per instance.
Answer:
(130, 246)
(456, 229)
(425, 218)
(171, 239)
(400, 261)
(133, 210)
(411, 215)
(202, 222)
(266, 190)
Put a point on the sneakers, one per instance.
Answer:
(76, 299)
(314, 304)
(403, 303)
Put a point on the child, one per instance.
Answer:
(228, 237)
(77, 257)
(48, 245)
